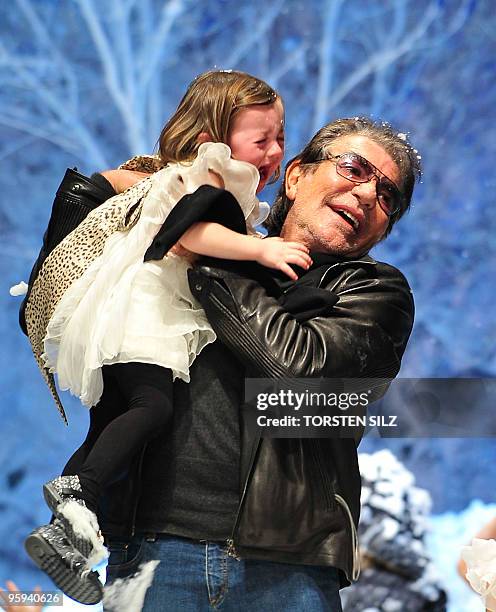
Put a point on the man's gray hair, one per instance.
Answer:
(317, 150)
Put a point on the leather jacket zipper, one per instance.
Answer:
(231, 546)
(231, 550)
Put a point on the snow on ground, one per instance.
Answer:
(449, 532)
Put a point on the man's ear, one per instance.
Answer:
(203, 137)
(293, 174)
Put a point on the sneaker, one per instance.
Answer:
(64, 498)
(54, 554)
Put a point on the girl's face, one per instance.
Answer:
(256, 136)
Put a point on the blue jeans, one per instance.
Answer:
(197, 576)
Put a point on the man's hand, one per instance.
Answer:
(277, 253)
(123, 179)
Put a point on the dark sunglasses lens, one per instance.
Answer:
(389, 197)
(354, 169)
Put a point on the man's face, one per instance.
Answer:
(322, 199)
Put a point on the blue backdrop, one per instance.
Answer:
(89, 84)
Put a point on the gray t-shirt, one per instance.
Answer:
(190, 475)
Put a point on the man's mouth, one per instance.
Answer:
(349, 217)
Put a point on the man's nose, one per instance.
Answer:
(366, 193)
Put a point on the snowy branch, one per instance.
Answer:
(326, 62)
(253, 35)
(383, 58)
(152, 52)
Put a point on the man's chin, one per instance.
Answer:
(341, 249)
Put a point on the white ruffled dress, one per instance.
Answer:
(123, 309)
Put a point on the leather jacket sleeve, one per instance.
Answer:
(364, 336)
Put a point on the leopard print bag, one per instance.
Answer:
(72, 256)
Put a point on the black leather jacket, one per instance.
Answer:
(300, 498)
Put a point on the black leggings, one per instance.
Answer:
(135, 406)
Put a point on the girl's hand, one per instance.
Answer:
(277, 253)
(123, 179)
(216, 179)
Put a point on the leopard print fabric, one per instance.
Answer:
(71, 257)
(143, 163)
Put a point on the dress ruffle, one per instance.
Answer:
(123, 309)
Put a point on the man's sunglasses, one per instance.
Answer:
(357, 169)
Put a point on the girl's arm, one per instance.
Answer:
(215, 240)
(123, 179)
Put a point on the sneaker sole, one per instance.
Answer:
(53, 500)
(87, 591)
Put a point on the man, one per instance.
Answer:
(259, 524)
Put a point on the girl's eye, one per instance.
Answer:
(261, 141)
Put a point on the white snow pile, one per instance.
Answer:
(19, 289)
(128, 594)
(393, 525)
(480, 558)
(449, 533)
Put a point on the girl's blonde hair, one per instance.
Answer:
(209, 105)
